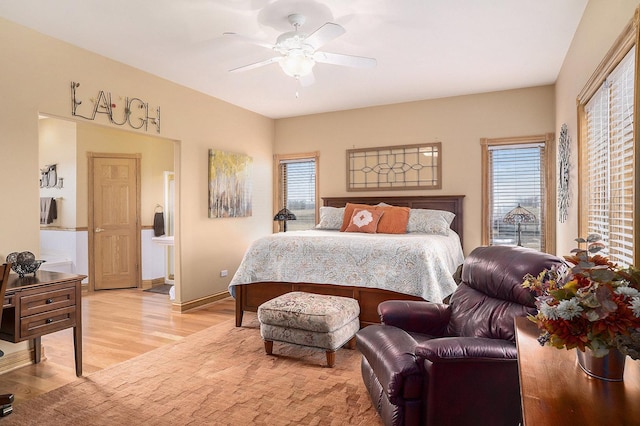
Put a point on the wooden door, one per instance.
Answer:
(114, 228)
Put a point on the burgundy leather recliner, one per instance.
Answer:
(436, 364)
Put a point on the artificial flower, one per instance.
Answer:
(592, 304)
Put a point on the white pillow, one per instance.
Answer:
(330, 217)
(430, 221)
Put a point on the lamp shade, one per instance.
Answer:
(519, 215)
(284, 214)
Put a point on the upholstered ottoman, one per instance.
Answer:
(307, 319)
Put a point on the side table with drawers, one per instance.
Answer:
(43, 304)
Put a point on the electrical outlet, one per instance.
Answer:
(224, 273)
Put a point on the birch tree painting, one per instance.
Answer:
(229, 184)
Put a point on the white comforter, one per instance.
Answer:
(416, 264)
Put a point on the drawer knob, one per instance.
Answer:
(49, 320)
(49, 301)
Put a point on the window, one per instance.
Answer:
(297, 190)
(607, 152)
(517, 206)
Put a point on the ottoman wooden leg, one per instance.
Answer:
(268, 346)
(351, 344)
(331, 358)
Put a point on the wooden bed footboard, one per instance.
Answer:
(250, 296)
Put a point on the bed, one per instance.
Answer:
(250, 287)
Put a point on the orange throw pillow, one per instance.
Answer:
(364, 220)
(348, 212)
(394, 221)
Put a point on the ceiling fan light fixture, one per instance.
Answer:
(296, 64)
(299, 52)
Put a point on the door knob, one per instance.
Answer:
(99, 229)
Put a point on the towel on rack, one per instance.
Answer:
(158, 224)
(48, 210)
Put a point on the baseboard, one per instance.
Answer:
(192, 304)
(18, 359)
(152, 283)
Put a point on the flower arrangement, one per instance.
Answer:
(594, 303)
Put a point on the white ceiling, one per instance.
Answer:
(425, 48)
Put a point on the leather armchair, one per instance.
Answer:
(456, 364)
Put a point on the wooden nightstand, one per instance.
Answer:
(43, 304)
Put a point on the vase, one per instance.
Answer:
(609, 367)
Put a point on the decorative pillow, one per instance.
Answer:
(430, 221)
(348, 212)
(394, 221)
(330, 217)
(364, 220)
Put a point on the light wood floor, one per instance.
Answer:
(116, 325)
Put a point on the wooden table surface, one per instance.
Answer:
(555, 390)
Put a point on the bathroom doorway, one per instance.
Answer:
(67, 144)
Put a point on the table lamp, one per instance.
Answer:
(518, 216)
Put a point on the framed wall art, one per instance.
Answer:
(229, 184)
(401, 167)
(563, 174)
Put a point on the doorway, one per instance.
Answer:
(114, 224)
(68, 143)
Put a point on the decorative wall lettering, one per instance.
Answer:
(133, 112)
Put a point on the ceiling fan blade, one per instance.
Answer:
(257, 64)
(345, 60)
(324, 35)
(307, 80)
(250, 40)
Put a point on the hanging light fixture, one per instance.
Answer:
(297, 64)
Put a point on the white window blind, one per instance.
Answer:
(610, 162)
(298, 189)
(517, 178)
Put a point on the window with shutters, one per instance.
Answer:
(517, 196)
(607, 171)
(297, 189)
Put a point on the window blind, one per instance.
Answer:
(517, 177)
(610, 162)
(298, 189)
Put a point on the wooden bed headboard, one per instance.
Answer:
(451, 203)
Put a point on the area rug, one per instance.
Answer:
(218, 376)
(161, 289)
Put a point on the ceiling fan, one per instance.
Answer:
(298, 52)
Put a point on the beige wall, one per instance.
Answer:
(35, 78)
(601, 24)
(66, 144)
(156, 156)
(58, 146)
(457, 122)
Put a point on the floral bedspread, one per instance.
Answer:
(417, 264)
